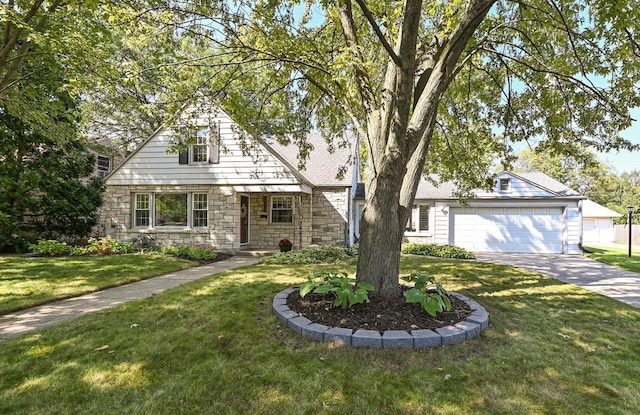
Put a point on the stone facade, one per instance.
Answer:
(223, 218)
(323, 218)
(330, 213)
(266, 235)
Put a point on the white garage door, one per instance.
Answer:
(521, 230)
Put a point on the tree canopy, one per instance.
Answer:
(443, 87)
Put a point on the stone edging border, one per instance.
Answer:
(475, 324)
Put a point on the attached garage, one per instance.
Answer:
(508, 229)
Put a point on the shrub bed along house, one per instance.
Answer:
(108, 246)
(315, 254)
(436, 250)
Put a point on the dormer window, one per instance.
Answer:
(504, 185)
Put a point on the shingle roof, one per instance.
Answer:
(324, 160)
(427, 190)
(445, 190)
(591, 209)
(550, 183)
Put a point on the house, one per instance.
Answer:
(524, 213)
(228, 193)
(597, 223)
(232, 194)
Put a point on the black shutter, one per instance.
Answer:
(183, 157)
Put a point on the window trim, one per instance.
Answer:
(151, 209)
(205, 143)
(271, 209)
(136, 209)
(414, 219)
(100, 167)
(205, 210)
(507, 181)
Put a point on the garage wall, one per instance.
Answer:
(573, 223)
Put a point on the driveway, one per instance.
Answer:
(575, 269)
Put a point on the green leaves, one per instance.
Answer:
(431, 295)
(346, 290)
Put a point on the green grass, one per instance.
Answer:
(25, 282)
(618, 257)
(214, 347)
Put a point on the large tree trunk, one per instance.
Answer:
(399, 131)
(382, 229)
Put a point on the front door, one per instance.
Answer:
(244, 219)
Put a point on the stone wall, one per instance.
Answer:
(224, 222)
(324, 218)
(266, 235)
(330, 213)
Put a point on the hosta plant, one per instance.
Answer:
(426, 291)
(347, 291)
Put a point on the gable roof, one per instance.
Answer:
(324, 161)
(542, 180)
(591, 209)
(547, 186)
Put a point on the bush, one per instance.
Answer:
(441, 251)
(51, 248)
(104, 246)
(194, 253)
(314, 254)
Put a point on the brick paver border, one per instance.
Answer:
(475, 324)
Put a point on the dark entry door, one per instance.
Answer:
(244, 219)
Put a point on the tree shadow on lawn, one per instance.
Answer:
(214, 346)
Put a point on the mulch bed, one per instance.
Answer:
(378, 314)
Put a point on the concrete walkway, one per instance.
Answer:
(578, 270)
(21, 322)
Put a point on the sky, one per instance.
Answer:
(625, 161)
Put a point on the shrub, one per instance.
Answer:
(436, 250)
(51, 248)
(347, 291)
(426, 291)
(194, 253)
(314, 254)
(104, 246)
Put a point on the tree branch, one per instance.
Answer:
(381, 37)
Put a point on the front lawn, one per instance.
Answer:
(618, 257)
(25, 282)
(214, 347)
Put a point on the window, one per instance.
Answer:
(200, 150)
(205, 148)
(505, 185)
(282, 209)
(200, 212)
(104, 164)
(142, 210)
(170, 210)
(419, 219)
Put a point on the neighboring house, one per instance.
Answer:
(597, 223)
(218, 195)
(108, 157)
(525, 213)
